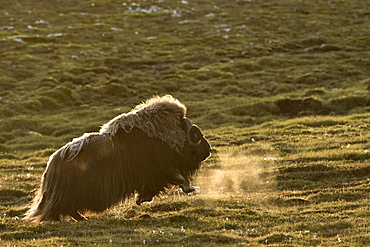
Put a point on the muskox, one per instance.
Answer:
(143, 152)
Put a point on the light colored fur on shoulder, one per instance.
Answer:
(158, 117)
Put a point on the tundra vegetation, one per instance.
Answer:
(280, 89)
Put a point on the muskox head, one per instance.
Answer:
(143, 152)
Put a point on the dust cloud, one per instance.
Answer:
(238, 172)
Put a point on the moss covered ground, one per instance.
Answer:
(280, 89)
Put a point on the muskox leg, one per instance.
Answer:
(77, 216)
(183, 183)
(144, 198)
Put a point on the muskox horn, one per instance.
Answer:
(193, 134)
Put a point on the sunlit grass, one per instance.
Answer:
(252, 193)
(280, 89)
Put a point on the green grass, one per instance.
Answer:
(310, 191)
(280, 89)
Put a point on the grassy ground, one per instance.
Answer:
(280, 88)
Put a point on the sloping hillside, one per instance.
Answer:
(280, 88)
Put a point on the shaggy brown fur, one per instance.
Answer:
(144, 151)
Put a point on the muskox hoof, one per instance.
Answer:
(188, 189)
(140, 200)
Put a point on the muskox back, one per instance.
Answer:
(142, 152)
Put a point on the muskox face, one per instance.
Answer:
(199, 146)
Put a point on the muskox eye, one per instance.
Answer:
(195, 135)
